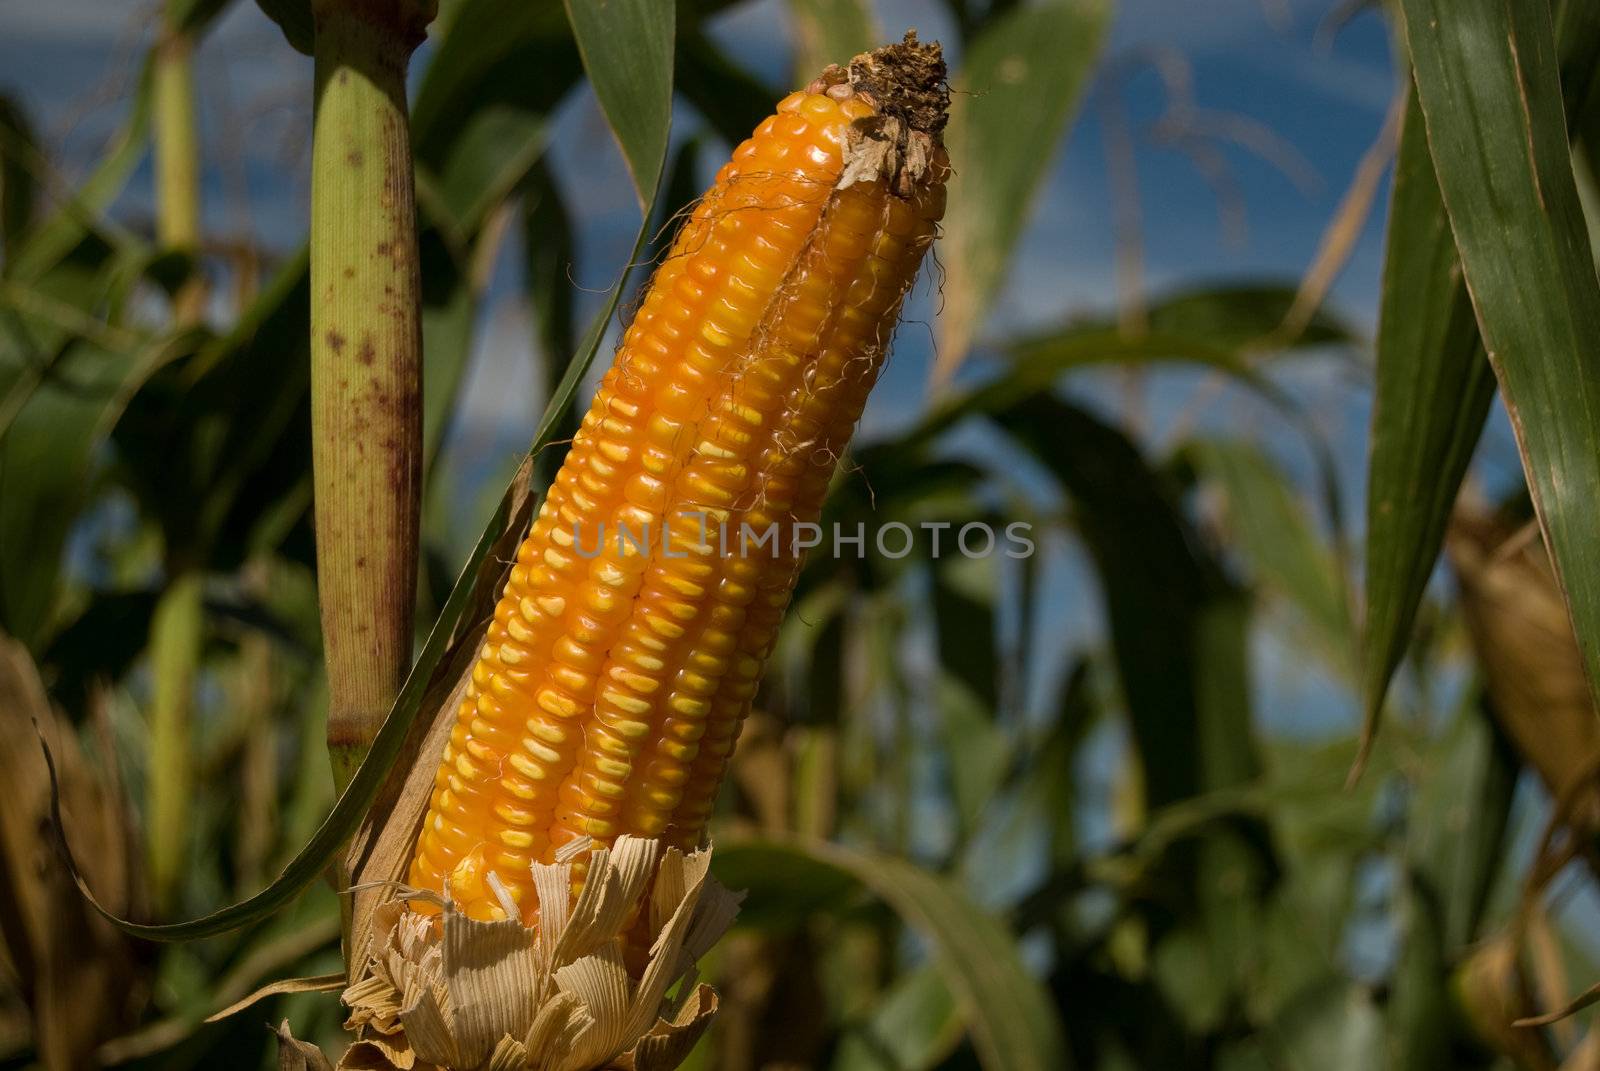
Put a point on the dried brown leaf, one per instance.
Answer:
(1494, 994)
(321, 983)
(297, 1055)
(491, 969)
(669, 1044)
(378, 1054)
(1524, 642)
(78, 975)
(1588, 998)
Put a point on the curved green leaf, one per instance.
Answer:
(495, 147)
(47, 451)
(1013, 1023)
(1487, 80)
(494, 55)
(627, 49)
(1228, 328)
(1460, 812)
(729, 98)
(505, 70)
(1330, 1026)
(1578, 40)
(1014, 99)
(1430, 400)
(193, 441)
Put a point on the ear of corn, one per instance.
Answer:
(631, 636)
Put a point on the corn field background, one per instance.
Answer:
(1279, 752)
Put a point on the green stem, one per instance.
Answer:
(175, 638)
(177, 163)
(366, 363)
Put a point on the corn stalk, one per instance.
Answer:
(177, 158)
(366, 361)
(175, 641)
(176, 629)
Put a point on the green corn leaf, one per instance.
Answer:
(1330, 1026)
(1460, 812)
(505, 70)
(1227, 328)
(207, 446)
(493, 151)
(1430, 401)
(1009, 1015)
(1016, 93)
(1434, 384)
(194, 16)
(627, 48)
(550, 248)
(47, 452)
(728, 96)
(1166, 602)
(494, 55)
(1486, 74)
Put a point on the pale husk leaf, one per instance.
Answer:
(459, 993)
(663, 1050)
(491, 968)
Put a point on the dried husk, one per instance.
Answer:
(1493, 993)
(457, 993)
(78, 975)
(1524, 642)
(297, 1055)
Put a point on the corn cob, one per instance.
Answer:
(614, 678)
